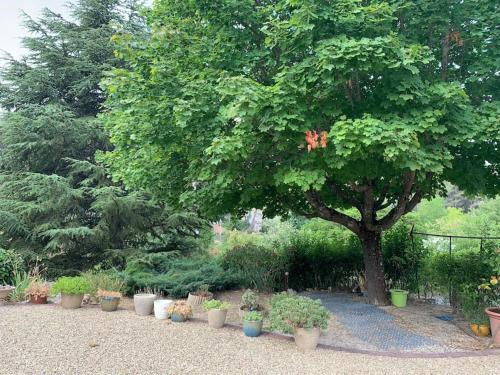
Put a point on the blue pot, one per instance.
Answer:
(252, 328)
(177, 318)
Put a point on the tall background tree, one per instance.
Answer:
(57, 204)
(312, 107)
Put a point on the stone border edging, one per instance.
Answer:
(461, 354)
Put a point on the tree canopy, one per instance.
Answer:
(309, 106)
(57, 204)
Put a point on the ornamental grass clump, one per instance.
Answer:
(290, 311)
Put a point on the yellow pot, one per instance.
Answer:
(483, 330)
(474, 328)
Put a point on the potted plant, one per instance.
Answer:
(38, 292)
(302, 316)
(144, 302)
(200, 295)
(5, 290)
(160, 308)
(252, 323)
(249, 302)
(217, 312)
(72, 290)
(471, 305)
(399, 297)
(180, 311)
(109, 299)
(491, 293)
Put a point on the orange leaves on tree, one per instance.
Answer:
(312, 139)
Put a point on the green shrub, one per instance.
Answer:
(215, 304)
(323, 255)
(10, 262)
(471, 305)
(289, 311)
(71, 285)
(250, 299)
(262, 267)
(253, 316)
(177, 276)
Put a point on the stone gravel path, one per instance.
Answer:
(50, 340)
(372, 328)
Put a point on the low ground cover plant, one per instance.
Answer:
(71, 285)
(215, 304)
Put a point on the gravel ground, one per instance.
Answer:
(50, 340)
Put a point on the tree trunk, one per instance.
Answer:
(374, 267)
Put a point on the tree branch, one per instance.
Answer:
(331, 214)
(343, 195)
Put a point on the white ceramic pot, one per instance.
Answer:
(160, 308)
(143, 303)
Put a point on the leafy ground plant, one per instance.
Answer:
(71, 285)
(289, 311)
(215, 304)
(253, 316)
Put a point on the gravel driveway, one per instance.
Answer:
(50, 340)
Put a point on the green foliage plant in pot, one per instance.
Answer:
(180, 311)
(302, 316)
(249, 302)
(217, 312)
(72, 290)
(199, 296)
(109, 299)
(252, 323)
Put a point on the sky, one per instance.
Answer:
(11, 30)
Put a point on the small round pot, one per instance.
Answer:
(216, 318)
(38, 300)
(196, 300)
(474, 327)
(306, 338)
(252, 328)
(177, 318)
(399, 297)
(483, 330)
(110, 304)
(494, 315)
(160, 308)
(71, 301)
(5, 291)
(143, 303)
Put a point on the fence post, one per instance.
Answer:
(449, 276)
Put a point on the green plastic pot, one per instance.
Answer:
(399, 297)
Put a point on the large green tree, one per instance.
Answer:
(57, 204)
(311, 106)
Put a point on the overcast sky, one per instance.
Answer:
(11, 30)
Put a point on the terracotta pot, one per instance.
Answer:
(37, 300)
(195, 300)
(71, 301)
(216, 318)
(306, 338)
(110, 304)
(494, 315)
(5, 291)
(144, 303)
